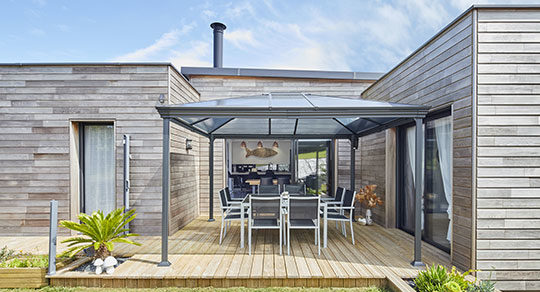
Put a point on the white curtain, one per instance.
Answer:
(443, 132)
(411, 143)
(99, 188)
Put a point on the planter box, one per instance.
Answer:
(23, 277)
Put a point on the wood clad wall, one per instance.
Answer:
(440, 75)
(216, 87)
(508, 195)
(38, 105)
(184, 178)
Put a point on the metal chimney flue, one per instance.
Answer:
(218, 28)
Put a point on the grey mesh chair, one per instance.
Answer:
(266, 181)
(272, 190)
(336, 201)
(295, 189)
(282, 181)
(266, 212)
(230, 198)
(230, 211)
(303, 213)
(348, 205)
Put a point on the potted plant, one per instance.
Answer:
(100, 232)
(367, 197)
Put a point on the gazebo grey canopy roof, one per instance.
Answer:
(289, 115)
(296, 114)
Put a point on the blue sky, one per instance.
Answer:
(357, 35)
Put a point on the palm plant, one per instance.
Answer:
(100, 232)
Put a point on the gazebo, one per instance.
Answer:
(289, 116)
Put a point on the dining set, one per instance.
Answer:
(285, 208)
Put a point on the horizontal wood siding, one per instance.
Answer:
(37, 105)
(218, 87)
(439, 75)
(508, 217)
(184, 178)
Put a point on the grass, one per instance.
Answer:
(208, 289)
(312, 155)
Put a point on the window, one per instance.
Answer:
(97, 167)
(437, 172)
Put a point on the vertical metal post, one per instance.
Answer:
(317, 170)
(354, 144)
(211, 182)
(53, 229)
(126, 142)
(419, 183)
(165, 196)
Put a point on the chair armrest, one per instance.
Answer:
(343, 208)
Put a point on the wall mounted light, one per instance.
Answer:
(188, 144)
(161, 98)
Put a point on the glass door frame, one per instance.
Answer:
(81, 142)
(330, 162)
(400, 176)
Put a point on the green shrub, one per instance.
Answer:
(33, 261)
(482, 286)
(100, 232)
(6, 254)
(432, 279)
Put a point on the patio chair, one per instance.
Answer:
(230, 198)
(303, 213)
(265, 213)
(282, 181)
(267, 181)
(333, 202)
(295, 188)
(229, 212)
(348, 205)
(272, 190)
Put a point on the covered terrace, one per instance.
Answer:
(289, 116)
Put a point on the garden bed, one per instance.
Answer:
(25, 270)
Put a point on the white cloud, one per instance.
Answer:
(240, 10)
(429, 12)
(166, 41)
(37, 32)
(196, 55)
(240, 38)
(40, 2)
(209, 13)
(63, 28)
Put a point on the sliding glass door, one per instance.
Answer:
(314, 166)
(97, 167)
(437, 188)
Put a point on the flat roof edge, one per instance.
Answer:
(87, 64)
(279, 73)
(103, 64)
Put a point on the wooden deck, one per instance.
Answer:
(197, 259)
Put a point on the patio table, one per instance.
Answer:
(244, 205)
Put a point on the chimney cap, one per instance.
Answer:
(218, 26)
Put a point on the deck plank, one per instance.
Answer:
(197, 259)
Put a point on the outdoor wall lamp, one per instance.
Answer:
(188, 144)
(161, 98)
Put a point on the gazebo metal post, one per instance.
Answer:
(354, 145)
(211, 182)
(419, 183)
(165, 196)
